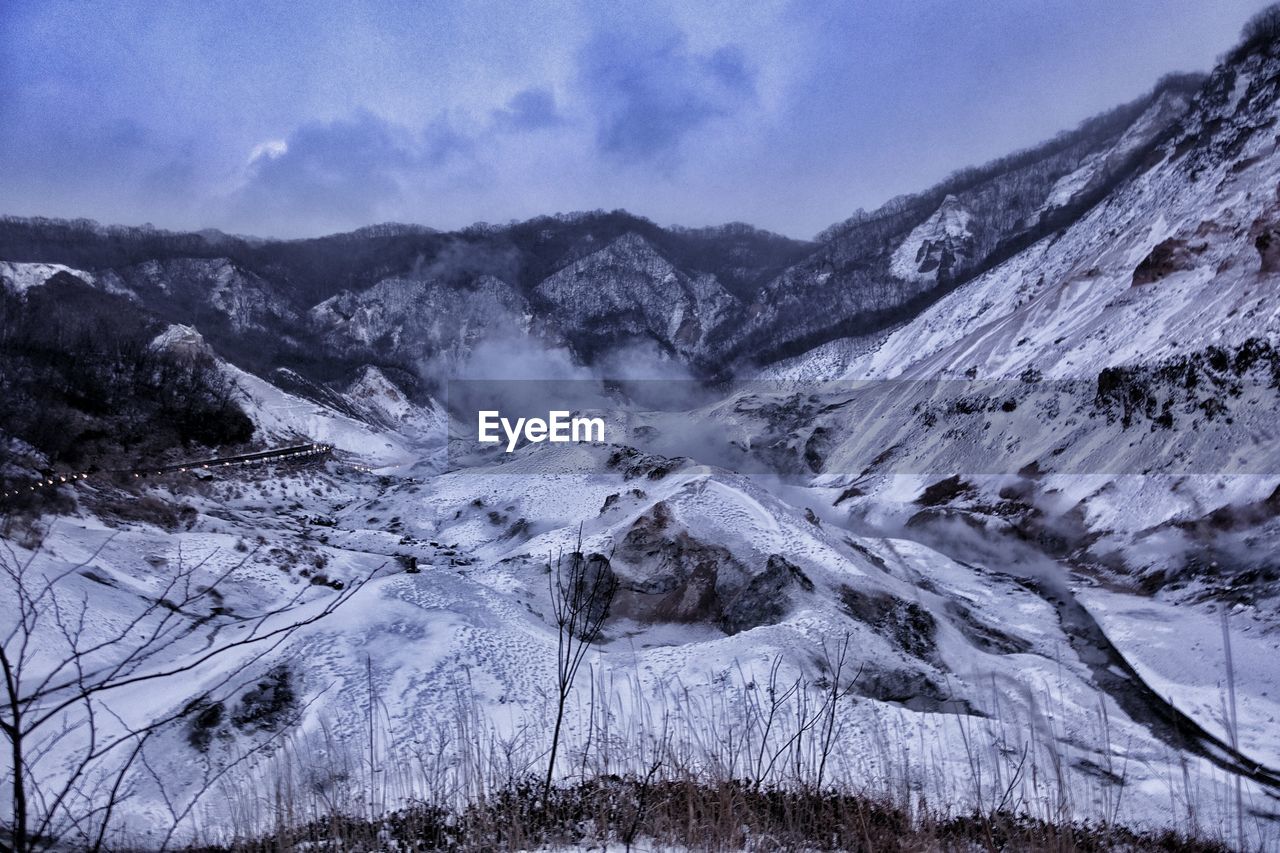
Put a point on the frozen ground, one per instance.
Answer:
(987, 686)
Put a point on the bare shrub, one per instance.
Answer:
(582, 591)
(71, 749)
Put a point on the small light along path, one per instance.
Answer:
(280, 453)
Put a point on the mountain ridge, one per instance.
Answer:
(783, 295)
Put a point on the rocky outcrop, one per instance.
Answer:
(767, 597)
(628, 291)
(204, 292)
(938, 246)
(667, 574)
(1168, 256)
(906, 624)
(415, 318)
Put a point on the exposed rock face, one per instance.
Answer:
(597, 577)
(911, 688)
(19, 278)
(184, 340)
(627, 290)
(669, 575)
(906, 624)
(1168, 257)
(414, 318)
(694, 599)
(937, 246)
(663, 553)
(634, 463)
(204, 292)
(767, 597)
(1266, 239)
(380, 400)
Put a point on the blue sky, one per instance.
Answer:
(296, 119)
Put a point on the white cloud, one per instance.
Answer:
(271, 149)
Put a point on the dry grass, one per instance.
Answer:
(630, 811)
(737, 771)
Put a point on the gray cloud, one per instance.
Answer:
(529, 109)
(648, 91)
(352, 169)
(785, 115)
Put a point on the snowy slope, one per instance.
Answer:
(951, 656)
(1070, 305)
(627, 290)
(1158, 531)
(20, 277)
(282, 418)
(419, 318)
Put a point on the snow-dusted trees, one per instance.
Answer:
(84, 689)
(83, 383)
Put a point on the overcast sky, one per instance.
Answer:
(295, 119)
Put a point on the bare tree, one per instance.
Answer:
(71, 753)
(582, 591)
(1262, 28)
(835, 661)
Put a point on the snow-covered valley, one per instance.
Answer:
(971, 678)
(971, 506)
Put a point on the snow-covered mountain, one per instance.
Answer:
(1107, 395)
(627, 291)
(1174, 260)
(417, 319)
(594, 282)
(879, 268)
(1020, 459)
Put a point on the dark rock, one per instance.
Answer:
(205, 719)
(767, 597)
(982, 635)
(945, 491)
(1166, 258)
(634, 463)
(911, 688)
(1266, 239)
(904, 623)
(850, 492)
(269, 705)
